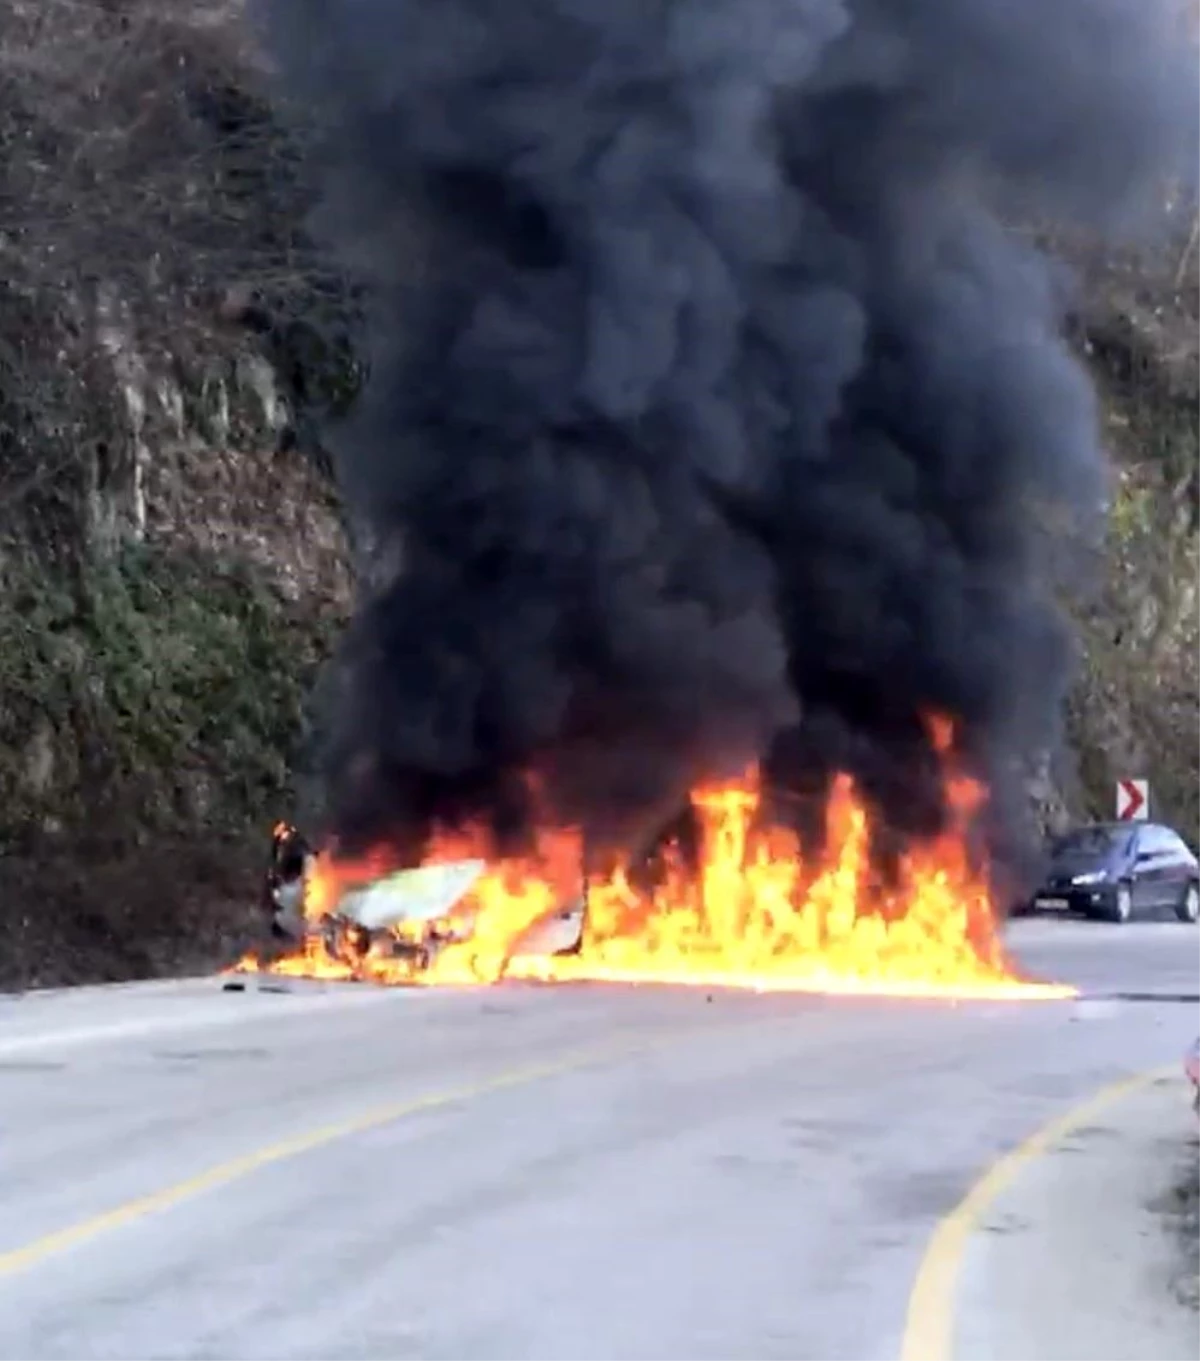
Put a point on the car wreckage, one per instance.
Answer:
(407, 915)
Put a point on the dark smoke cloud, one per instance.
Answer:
(712, 412)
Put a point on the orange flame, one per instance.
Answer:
(756, 914)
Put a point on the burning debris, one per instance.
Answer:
(715, 423)
(286, 879)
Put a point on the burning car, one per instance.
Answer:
(365, 921)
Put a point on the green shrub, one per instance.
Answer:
(168, 687)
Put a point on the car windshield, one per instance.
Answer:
(1088, 841)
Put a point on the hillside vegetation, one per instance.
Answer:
(1136, 706)
(173, 564)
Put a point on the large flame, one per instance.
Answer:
(756, 914)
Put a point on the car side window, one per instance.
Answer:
(1174, 843)
(1158, 840)
(1147, 842)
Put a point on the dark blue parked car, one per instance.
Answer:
(1120, 870)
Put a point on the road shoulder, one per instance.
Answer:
(1180, 1209)
(1071, 1258)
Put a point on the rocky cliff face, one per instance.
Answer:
(173, 564)
(155, 677)
(171, 555)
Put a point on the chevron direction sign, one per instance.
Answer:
(1133, 800)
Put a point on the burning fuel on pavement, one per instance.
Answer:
(750, 913)
(716, 432)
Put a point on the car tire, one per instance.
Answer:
(1121, 910)
(1187, 909)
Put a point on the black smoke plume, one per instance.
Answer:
(713, 413)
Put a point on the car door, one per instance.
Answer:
(1147, 890)
(1177, 868)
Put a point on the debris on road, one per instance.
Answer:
(239, 985)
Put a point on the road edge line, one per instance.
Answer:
(929, 1318)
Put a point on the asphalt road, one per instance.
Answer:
(523, 1172)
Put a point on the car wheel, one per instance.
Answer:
(1187, 909)
(1122, 908)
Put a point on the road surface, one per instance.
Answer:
(524, 1172)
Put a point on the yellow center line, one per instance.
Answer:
(19, 1259)
(929, 1325)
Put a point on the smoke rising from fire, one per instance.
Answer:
(712, 414)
